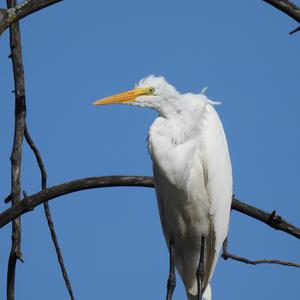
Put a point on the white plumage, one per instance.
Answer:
(192, 171)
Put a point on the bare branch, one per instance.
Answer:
(295, 30)
(48, 212)
(32, 201)
(19, 11)
(226, 255)
(272, 219)
(288, 8)
(16, 155)
(38, 157)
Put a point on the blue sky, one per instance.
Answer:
(111, 238)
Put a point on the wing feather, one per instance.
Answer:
(219, 187)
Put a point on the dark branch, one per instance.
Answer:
(295, 30)
(19, 11)
(32, 201)
(271, 219)
(226, 255)
(38, 157)
(48, 212)
(288, 8)
(16, 155)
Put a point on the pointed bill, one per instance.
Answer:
(125, 97)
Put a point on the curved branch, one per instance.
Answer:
(29, 203)
(287, 7)
(48, 212)
(19, 11)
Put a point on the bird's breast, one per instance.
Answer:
(184, 215)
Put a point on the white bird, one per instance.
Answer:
(193, 178)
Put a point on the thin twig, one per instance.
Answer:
(16, 155)
(271, 219)
(48, 212)
(38, 157)
(21, 10)
(295, 30)
(226, 255)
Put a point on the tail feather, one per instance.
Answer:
(206, 295)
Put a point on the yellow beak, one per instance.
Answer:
(126, 97)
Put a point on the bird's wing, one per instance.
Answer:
(218, 172)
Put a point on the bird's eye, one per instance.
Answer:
(151, 90)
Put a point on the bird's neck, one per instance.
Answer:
(168, 108)
(169, 138)
(180, 119)
(178, 127)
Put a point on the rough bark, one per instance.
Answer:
(18, 11)
(16, 155)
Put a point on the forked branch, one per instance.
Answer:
(19, 11)
(10, 16)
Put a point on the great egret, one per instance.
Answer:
(193, 178)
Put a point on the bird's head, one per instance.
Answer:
(153, 92)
